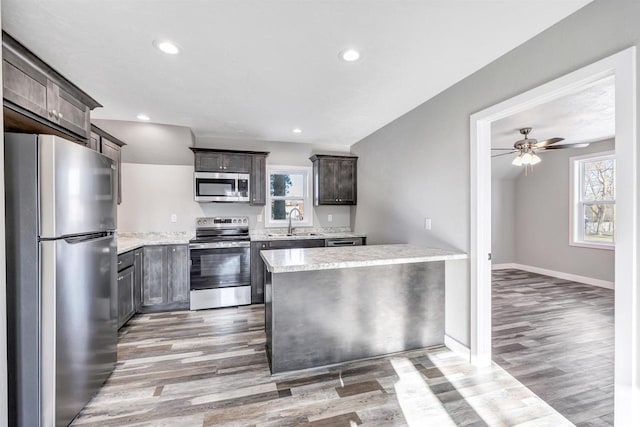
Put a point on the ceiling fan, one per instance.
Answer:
(527, 148)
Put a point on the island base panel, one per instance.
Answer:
(318, 318)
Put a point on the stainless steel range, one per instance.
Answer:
(220, 263)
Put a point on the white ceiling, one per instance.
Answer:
(259, 68)
(586, 115)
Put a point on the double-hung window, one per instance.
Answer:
(593, 213)
(289, 188)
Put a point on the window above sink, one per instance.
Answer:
(289, 187)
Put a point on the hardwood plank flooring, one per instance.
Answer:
(556, 337)
(209, 368)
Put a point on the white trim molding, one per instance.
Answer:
(557, 274)
(622, 65)
(457, 347)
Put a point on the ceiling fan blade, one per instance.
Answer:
(547, 142)
(562, 146)
(510, 149)
(504, 154)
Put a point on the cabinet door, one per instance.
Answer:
(72, 114)
(346, 182)
(257, 272)
(178, 273)
(137, 279)
(209, 162)
(258, 180)
(24, 85)
(125, 296)
(112, 151)
(327, 194)
(154, 282)
(237, 163)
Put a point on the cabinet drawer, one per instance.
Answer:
(125, 260)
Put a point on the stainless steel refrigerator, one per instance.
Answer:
(61, 276)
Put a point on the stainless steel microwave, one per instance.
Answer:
(221, 187)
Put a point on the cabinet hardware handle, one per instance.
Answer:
(60, 115)
(120, 278)
(119, 262)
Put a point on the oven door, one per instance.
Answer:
(220, 267)
(216, 187)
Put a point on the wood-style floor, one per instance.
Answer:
(556, 337)
(209, 368)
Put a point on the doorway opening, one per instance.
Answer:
(627, 327)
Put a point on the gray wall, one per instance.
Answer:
(503, 221)
(542, 203)
(157, 177)
(418, 165)
(150, 143)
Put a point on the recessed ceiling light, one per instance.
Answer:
(143, 117)
(297, 130)
(167, 47)
(350, 55)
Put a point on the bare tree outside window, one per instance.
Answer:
(597, 199)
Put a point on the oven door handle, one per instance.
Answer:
(219, 245)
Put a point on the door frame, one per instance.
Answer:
(622, 65)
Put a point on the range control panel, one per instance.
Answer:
(222, 222)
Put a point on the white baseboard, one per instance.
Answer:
(505, 266)
(558, 274)
(457, 347)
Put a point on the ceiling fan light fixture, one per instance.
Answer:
(535, 159)
(527, 158)
(517, 161)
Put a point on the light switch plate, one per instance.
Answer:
(330, 218)
(260, 218)
(174, 218)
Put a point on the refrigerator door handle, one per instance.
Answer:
(88, 237)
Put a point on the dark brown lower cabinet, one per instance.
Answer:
(257, 265)
(137, 280)
(126, 305)
(165, 279)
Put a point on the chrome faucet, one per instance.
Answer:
(290, 231)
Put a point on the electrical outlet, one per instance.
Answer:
(260, 218)
(330, 218)
(174, 218)
(427, 223)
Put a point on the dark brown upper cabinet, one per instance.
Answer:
(111, 147)
(258, 185)
(334, 180)
(38, 99)
(220, 161)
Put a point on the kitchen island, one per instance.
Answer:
(330, 305)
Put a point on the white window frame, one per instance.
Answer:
(576, 229)
(307, 196)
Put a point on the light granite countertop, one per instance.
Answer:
(302, 234)
(290, 260)
(130, 241)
